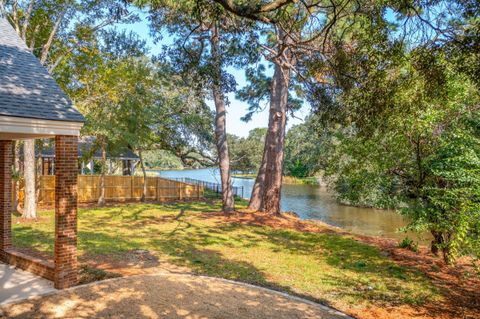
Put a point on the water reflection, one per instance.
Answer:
(314, 202)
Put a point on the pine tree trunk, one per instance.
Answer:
(101, 199)
(30, 206)
(275, 139)
(144, 172)
(220, 129)
(256, 199)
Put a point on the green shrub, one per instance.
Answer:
(409, 244)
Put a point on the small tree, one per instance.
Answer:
(138, 109)
(449, 202)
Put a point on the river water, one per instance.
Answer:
(314, 202)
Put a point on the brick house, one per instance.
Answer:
(33, 106)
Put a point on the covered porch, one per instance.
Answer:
(33, 106)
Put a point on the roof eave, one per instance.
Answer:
(17, 128)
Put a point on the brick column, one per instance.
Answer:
(6, 158)
(66, 169)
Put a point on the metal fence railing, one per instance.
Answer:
(216, 188)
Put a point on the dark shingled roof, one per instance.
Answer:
(26, 88)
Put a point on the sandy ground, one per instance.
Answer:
(167, 296)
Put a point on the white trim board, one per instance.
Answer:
(16, 128)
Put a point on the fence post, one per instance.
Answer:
(131, 187)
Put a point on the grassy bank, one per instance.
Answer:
(336, 269)
(286, 179)
(302, 180)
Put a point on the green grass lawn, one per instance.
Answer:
(334, 269)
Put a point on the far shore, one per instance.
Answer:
(289, 180)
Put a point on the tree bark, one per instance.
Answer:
(16, 181)
(38, 172)
(30, 206)
(32, 38)
(256, 199)
(48, 44)
(436, 243)
(101, 199)
(228, 204)
(442, 241)
(275, 139)
(15, 16)
(448, 256)
(26, 22)
(144, 172)
(2, 10)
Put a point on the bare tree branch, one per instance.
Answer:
(2, 9)
(254, 12)
(48, 44)
(26, 22)
(15, 16)
(34, 35)
(57, 62)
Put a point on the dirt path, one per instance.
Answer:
(168, 296)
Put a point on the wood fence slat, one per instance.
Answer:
(117, 189)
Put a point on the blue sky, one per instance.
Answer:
(236, 109)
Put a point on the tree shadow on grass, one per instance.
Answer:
(374, 277)
(91, 245)
(192, 206)
(195, 243)
(184, 251)
(34, 241)
(338, 251)
(188, 246)
(139, 215)
(364, 263)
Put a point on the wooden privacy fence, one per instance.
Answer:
(120, 189)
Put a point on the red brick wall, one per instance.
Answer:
(34, 265)
(7, 254)
(66, 169)
(6, 157)
(64, 270)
